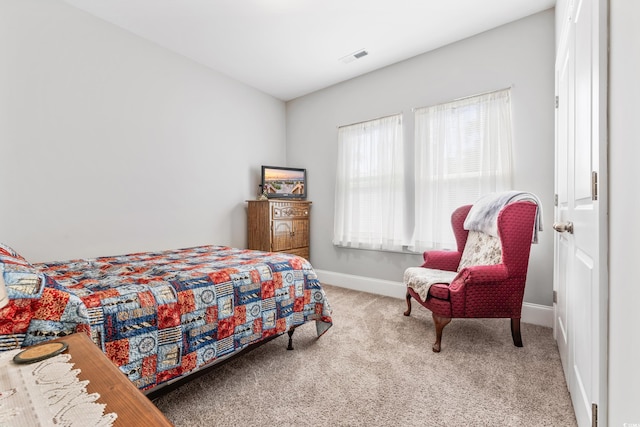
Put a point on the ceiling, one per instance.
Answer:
(288, 48)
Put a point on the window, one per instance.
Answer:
(370, 200)
(462, 151)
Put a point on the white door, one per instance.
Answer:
(580, 238)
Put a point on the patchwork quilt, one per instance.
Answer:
(161, 315)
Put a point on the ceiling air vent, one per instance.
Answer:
(353, 56)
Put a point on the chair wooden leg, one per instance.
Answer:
(515, 332)
(439, 322)
(408, 312)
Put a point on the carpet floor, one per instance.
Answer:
(375, 367)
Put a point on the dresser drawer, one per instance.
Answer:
(290, 210)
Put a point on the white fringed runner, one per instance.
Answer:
(47, 393)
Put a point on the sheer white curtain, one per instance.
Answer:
(462, 151)
(370, 197)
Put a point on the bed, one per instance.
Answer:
(162, 316)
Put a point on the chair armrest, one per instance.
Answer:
(474, 286)
(483, 274)
(442, 260)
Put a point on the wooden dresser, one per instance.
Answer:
(279, 225)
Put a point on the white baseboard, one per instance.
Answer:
(531, 313)
(537, 314)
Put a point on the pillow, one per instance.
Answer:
(11, 255)
(481, 249)
(22, 281)
(4, 249)
(4, 298)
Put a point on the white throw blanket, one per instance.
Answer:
(483, 215)
(420, 279)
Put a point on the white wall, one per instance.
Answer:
(111, 144)
(624, 231)
(520, 54)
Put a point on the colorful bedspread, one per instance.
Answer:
(160, 315)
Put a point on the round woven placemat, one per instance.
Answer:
(40, 352)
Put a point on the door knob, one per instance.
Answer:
(561, 227)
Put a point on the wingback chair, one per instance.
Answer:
(486, 274)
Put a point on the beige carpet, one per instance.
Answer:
(375, 367)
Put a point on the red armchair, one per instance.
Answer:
(482, 291)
